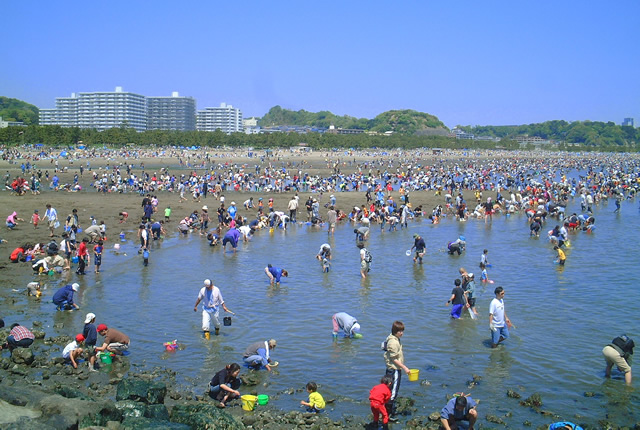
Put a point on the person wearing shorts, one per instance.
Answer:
(619, 353)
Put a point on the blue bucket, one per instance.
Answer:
(75, 259)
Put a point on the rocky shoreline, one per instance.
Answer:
(38, 392)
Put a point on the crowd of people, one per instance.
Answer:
(537, 189)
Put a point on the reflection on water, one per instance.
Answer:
(564, 316)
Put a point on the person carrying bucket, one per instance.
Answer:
(211, 299)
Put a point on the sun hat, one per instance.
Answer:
(75, 286)
(102, 327)
(90, 316)
(233, 203)
(205, 208)
(207, 282)
(79, 338)
(416, 235)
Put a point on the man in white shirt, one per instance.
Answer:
(52, 217)
(211, 301)
(499, 323)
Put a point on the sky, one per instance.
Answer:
(466, 62)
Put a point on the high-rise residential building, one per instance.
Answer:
(171, 113)
(99, 110)
(225, 118)
(628, 121)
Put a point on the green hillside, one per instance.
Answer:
(406, 122)
(17, 110)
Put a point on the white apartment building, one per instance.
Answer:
(225, 118)
(99, 110)
(171, 113)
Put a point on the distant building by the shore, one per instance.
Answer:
(225, 118)
(5, 124)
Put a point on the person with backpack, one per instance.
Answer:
(365, 260)
(619, 352)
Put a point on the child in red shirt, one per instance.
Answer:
(35, 219)
(379, 396)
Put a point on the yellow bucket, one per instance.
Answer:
(248, 402)
(414, 374)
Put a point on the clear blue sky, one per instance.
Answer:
(467, 62)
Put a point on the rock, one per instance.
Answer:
(36, 324)
(157, 412)
(144, 391)
(22, 356)
(435, 416)
(425, 383)
(58, 325)
(129, 408)
(495, 419)
(70, 393)
(139, 423)
(202, 416)
(589, 394)
(513, 394)
(250, 379)
(404, 406)
(38, 334)
(534, 401)
(527, 423)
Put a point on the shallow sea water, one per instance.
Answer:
(564, 316)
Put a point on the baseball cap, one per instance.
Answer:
(101, 327)
(75, 286)
(90, 316)
(79, 338)
(207, 282)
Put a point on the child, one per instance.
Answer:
(72, 352)
(33, 289)
(316, 402)
(378, 397)
(167, 214)
(103, 230)
(325, 265)
(485, 276)
(97, 255)
(93, 220)
(484, 258)
(561, 256)
(145, 257)
(123, 217)
(35, 218)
